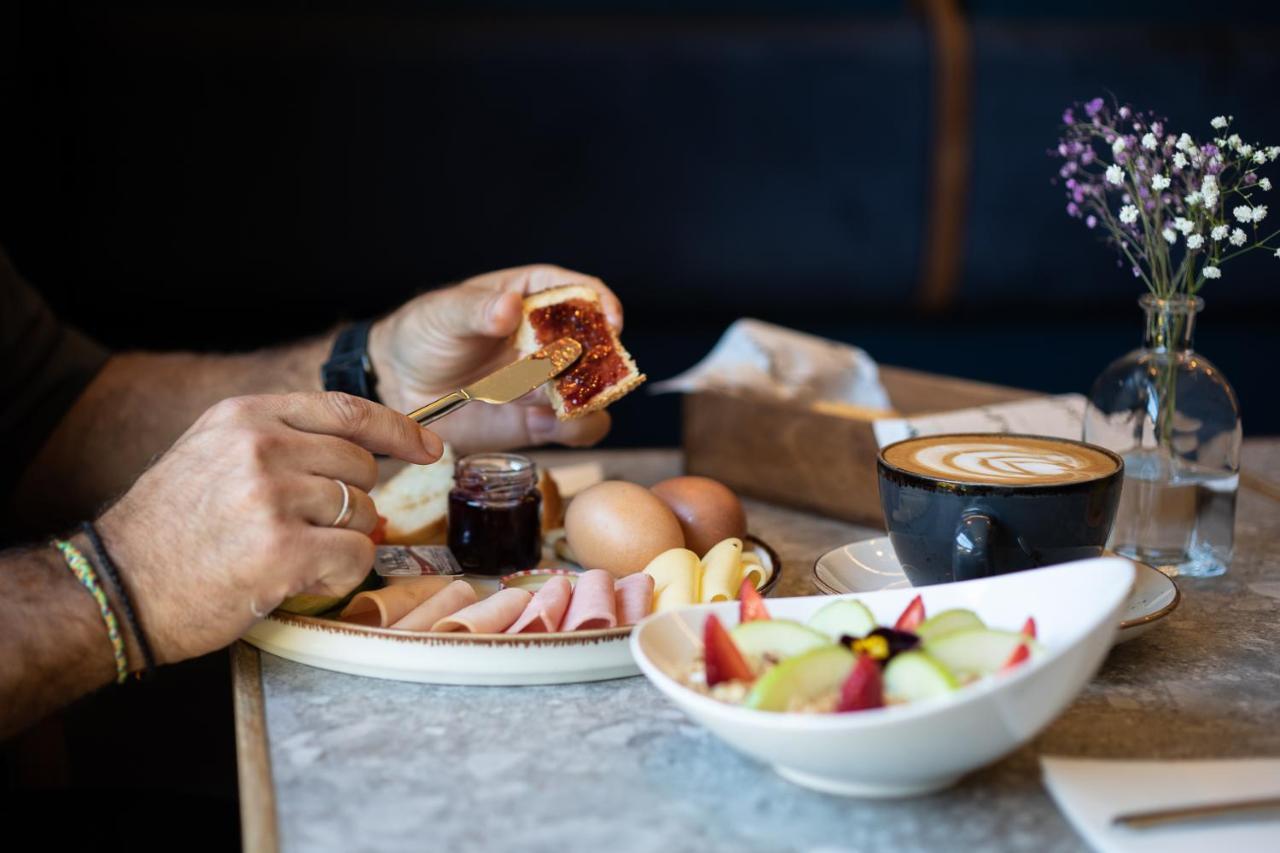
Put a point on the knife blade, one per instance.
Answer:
(507, 383)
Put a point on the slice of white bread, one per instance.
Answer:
(527, 343)
(415, 502)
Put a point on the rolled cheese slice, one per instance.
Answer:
(545, 611)
(382, 607)
(675, 574)
(493, 615)
(592, 606)
(753, 570)
(446, 602)
(722, 571)
(633, 597)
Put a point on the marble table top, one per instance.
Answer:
(364, 764)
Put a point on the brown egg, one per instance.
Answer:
(620, 527)
(708, 511)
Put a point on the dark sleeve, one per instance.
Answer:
(44, 366)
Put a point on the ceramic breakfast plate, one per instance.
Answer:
(871, 565)
(459, 658)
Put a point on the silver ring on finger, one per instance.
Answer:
(348, 507)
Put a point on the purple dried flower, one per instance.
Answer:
(1068, 117)
(1094, 107)
(1073, 209)
(1250, 179)
(1091, 221)
(1086, 156)
(1124, 112)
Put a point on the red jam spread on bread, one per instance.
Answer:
(600, 365)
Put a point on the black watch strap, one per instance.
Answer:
(348, 368)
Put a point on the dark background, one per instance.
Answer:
(223, 175)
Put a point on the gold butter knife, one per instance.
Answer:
(508, 383)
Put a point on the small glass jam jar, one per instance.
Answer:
(494, 514)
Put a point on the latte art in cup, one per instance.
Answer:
(1000, 460)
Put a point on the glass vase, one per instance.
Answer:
(1174, 418)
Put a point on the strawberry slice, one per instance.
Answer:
(751, 604)
(1029, 628)
(912, 616)
(1020, 654)
(723, 660)
(864, 688)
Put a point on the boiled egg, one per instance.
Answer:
(708, 511)
(620, 527)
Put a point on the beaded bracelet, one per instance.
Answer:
(84, 573)
(112, 574)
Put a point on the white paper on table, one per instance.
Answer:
(763, 360)
(1060, 416)
(1091, 792)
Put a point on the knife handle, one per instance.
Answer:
(438, 409)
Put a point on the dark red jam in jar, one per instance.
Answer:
(494, 524)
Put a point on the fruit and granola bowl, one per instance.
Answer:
(890, 693)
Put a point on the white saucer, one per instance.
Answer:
(871, 565)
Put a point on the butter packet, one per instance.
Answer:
(413, 561)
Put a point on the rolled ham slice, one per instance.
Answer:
(381, 607)
(633, 597)
(544, 613)
(493, 615)
(446, 602)
(593, 605)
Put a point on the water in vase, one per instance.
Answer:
(1177, 516)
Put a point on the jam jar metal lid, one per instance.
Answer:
(496, 477)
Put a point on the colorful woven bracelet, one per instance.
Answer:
(83, 570)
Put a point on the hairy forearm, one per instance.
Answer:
(134, 409)
(54, 640)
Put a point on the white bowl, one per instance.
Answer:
(912, 749)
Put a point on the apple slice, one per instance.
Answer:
(979, 652)
(912, 616)
(912, 676)
(802, 678)
(751, 604)
(863, 689)
(778, 638)
(722, 659)
(948, 622)
(844, 617)
(1029, 627)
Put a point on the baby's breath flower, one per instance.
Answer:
(1218, 122)
(1212, 272)
(1115, 175)
(1194, 241)
(1260, 157)
(1277, 253)
(1265, 184)
(1219, 232)
(1193, 199)
(1233, 141)
(1159, 182)
(1128, 214)
(1170, 236)
(1259, 213)
(1245, 150)
(1186, 226)
(1179, 161)
(1273, 152)
(1185, 143)
(1244, 213)
(1238, 237)
(1149, 142)
(1118, 145)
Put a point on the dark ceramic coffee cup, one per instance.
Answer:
(948, 528)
